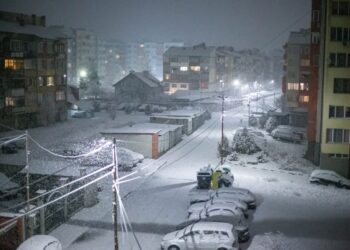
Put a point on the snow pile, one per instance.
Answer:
(244, 143)
(269, 241)
(39, 242)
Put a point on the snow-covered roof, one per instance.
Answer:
(55, 168)
(165, 128)
(17, 159)
(39, 31)
(131, 130)
(145, 77)
(183, 113)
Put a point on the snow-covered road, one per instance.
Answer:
(292, 214)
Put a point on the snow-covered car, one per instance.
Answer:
(128, 158)
(320, 176)
(239, 224)
(82, 114)
(286, 133)
(217, 209)
(227, 193)
(196, 207)
(41, 242)
(202, 235)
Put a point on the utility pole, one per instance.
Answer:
(222, 126)
(27, 187)
(114, 189)
(248, 110)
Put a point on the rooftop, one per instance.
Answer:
(144, 76)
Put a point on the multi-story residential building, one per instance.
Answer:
(197, 67)
(86, 50)
(334, 94)
(32, 71)
(295, 84)
(312, 138)
(147, 56)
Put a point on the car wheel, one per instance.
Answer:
(173, 248)
(221, 248)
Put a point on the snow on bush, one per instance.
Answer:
(271, 124)
(244, 143)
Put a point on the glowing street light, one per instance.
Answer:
(236, 83)
(83, 73)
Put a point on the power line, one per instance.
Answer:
(285, 29)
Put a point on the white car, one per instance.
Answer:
(226, 193)
(321, 176)
(202, 235)
(41, 242)
(286, 133)
(196, 207)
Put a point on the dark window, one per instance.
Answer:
(335, 8)
(331, 111)
(333, 34)
(329, 135)
(343, 8)
(346, 34)
(347, 112)
(332, 59)
(338, 135)
(341, 60)
(341, 86)
(339, 34)
(346, 135)
(339, 112)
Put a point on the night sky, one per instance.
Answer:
(238, 23)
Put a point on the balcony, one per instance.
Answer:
(25, 109)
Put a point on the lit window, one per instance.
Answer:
(293, 86)
(13, 64)
(40, 81)
(196, 68)
(304, 98)
(183, 68)
(167, 76)
(50, 81)
(9, 102)
(60, 96)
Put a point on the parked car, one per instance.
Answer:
(217, 209)
(239, 224)
(286, 133)
(82, 114)
(196, 207)
(202, 235)
(41, 242)
(238, 194)
(320, 176)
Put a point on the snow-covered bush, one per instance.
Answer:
(271, 124)
(243, 142)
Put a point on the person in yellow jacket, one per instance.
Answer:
(215, 177)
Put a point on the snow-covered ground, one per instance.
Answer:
(292, 213)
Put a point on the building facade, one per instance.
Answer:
(197, 67)
(334, 82)
(296, 78)
(312, 138)
(33, 71)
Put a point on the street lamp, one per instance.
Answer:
(83, 73)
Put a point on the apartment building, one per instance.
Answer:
(312, 123)
(33, 71)
(197, 67)
(297, 76)
(334, 83)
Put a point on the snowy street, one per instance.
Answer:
(291, 212)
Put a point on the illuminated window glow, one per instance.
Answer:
(196, 68)
(13, 64)
(183, 68)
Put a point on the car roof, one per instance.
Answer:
(211, 225)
